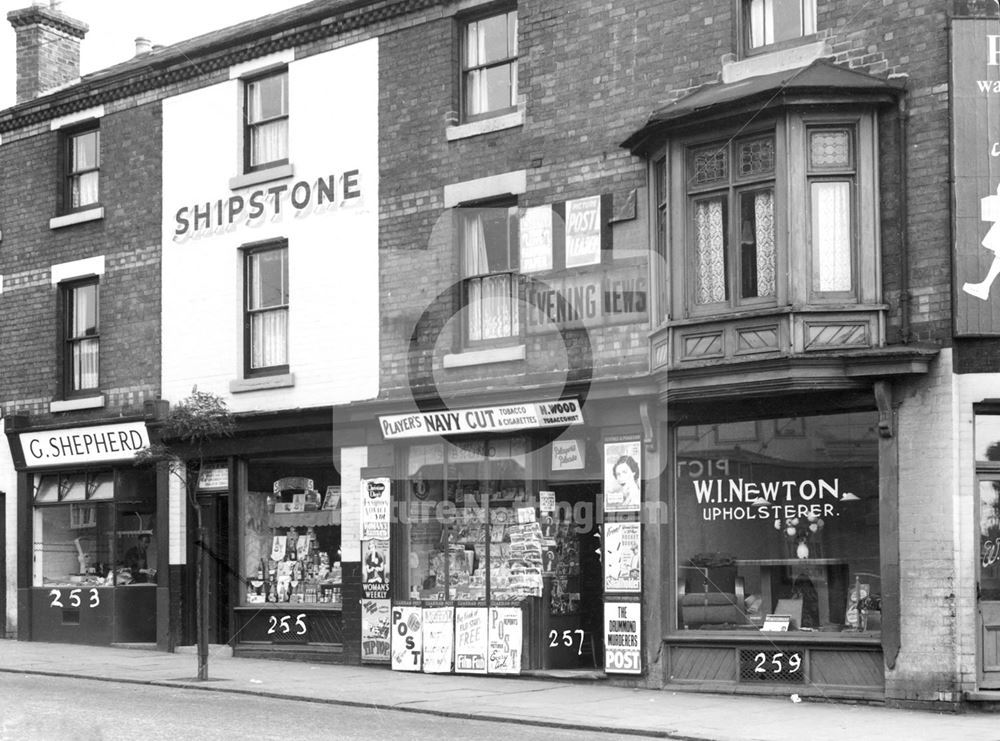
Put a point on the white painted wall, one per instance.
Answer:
(8, 484)
(333, 251)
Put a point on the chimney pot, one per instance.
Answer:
(143, 46)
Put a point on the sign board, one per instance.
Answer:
(471, 640)
(623, 637)
(375, 627)
(214, 477)
(583, 231)
(79, 445)
(975, 97)
(439, 639)
(481, 420)
(375, 506)
(591, 299)
(535, 230)
(569, 455)
(506, 641)
(407, 638)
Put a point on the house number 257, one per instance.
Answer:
(74, 599)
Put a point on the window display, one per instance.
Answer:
(291, 546)
(94, 528)
(472, 527)
(778, 516)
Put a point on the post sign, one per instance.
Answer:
(79, 445)
(623, 637)
(583, 231)
(975, 96)
(407, 638)
(506, 641)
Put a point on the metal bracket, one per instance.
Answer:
(648, 432)
(886, 413)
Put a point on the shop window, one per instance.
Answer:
(265, 135)
(465, 523)
(81, 337)
(291, 536)
(489, 256)
(779, 517)
(769, 22)
(489, 65)
(94, 529)
(266, 310)
(81, 168)
(749, 196)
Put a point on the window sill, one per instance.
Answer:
(242, 385)
(485, 126)
(72, 405)
(779, 60)
(506, 354)
(261, 176)
(77, 217)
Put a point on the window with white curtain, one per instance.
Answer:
(266, 136)
(489, 65)
(767, 22)
(831, 172)
(266, 313)
(82, 344)
(489, 256)
(83, 162)
(731, 187)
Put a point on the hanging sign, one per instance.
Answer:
(505, 641)
(375, 627)
(471, 640)
(438, 639)
(623, 637)
(375, 506)
(407, 638)
(622, 557)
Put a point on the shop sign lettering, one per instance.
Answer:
(568, 455)
(991, 552)
(509, 417)
(586, 300)
(75, 598)
(739, 499)
(84, 444)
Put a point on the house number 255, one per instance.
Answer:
(74, 599)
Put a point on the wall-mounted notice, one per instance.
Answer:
(622, 476)
(583, 231)
(622, 557)
(623, 637)
(506, 641)
(439, 639)
(471, 640)
(407, 638)
(535, 231)
(375, 506)
(375, 574)
(375, 627)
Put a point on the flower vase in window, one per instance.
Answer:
(801, 534)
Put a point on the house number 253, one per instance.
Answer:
(74, 599)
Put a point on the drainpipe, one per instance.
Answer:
(904, 242)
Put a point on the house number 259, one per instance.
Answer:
(92, 597)
(777, 662)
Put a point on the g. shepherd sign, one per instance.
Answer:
(84, 444)
(506, 418)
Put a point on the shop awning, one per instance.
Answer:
(820, 82)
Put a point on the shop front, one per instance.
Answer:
(91, 572)
(495, 543)
(777, 557)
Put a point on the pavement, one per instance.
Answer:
(590, 707)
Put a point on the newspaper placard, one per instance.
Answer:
(375, 506)
(623, 637)
(375, 574)
(407, 638)
(439, 639)
(375, 626)
(535, 231)
(583, 231)
(471, 640)
(506, 641)
(622, 557)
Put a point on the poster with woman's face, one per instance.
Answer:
(622, 491)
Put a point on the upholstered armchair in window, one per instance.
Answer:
(708, 609)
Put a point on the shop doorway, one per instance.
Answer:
(573, 604)
(218, 574)
(988, 586)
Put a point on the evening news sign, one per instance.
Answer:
(483, 419)
(84, 444)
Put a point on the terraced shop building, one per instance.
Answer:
(618, 341)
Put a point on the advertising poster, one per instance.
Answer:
(439, 639)
(407, 638)
(375, 571)
(536, 239)
(375, 507)
(583, 232)
(622, 557)
(375, 627)
(505, 641)
(622, 637)
(471, 640)
(622, 474)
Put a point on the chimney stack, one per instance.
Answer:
(48, 48)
